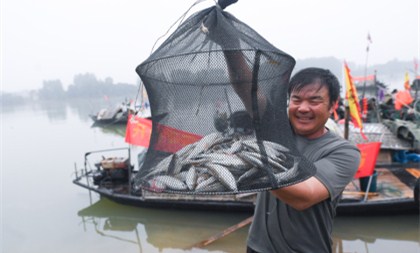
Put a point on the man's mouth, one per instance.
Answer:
(304, 118)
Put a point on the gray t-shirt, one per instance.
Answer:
(278, 227)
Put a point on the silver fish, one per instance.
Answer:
(191, 178)
(161, 167)
(223, 175)
(257, 160)
(204, 143)
(247, 174)
(223, 159)
(234, 148)
(214, 187)
(171, 182)
(156, 186)
(182, 176)
(202, 184)
(185, 151)
(272, 149)
(280, 176)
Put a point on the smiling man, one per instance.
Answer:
(299, 217)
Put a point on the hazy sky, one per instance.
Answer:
(57, 39)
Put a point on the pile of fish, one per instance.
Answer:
(218, 163)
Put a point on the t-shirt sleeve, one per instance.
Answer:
(337, 169)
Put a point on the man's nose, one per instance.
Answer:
(304, 107)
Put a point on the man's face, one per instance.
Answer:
(309, 110)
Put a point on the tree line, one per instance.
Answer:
(83, 86)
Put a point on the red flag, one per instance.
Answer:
(138, 131)
(368, 155)
(353, 100)
(172, 139)
(402, 98)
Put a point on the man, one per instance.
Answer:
(299, 218)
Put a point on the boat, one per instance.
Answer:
(118, 114)
(112, 115)
(408, 129)
(397, 188)
(114, 184)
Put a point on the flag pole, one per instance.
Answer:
(346, 106)
(346, 119)
(366, 64)
(364, 82)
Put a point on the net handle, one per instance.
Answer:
(225, 3)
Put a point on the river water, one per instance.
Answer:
(43, 211)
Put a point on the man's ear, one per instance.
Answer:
(333, 106)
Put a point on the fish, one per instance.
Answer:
(223, 159)
(272, 149)
(214, 187)
(204, 143)
(223, 175)
(171, 182)
(161, 167)
(182, 176)
(202, 184)
(186, 150)
(234, 148)
(248, 174)
(191, 178)
(271, 161)
(156, 186)
(219, 163)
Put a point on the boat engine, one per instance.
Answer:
(111, 170)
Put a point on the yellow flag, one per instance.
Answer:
(353, 100)
(407, 81)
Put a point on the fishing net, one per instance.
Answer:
(218, 98)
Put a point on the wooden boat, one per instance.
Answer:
(397, 190)
(115, 115)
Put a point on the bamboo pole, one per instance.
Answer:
(224, 233)
(346, 119)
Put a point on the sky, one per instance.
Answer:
(46, 40)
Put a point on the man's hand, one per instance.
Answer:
(221, 30)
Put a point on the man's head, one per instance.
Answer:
(312, 92)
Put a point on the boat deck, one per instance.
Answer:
(393, 184)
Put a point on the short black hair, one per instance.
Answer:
(324, 77)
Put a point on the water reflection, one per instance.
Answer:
(160, 230)
(117, 130)
(56, 110)
(377, 234)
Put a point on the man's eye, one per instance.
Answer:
(316, 101)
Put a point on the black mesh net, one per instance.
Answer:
(218, 98)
